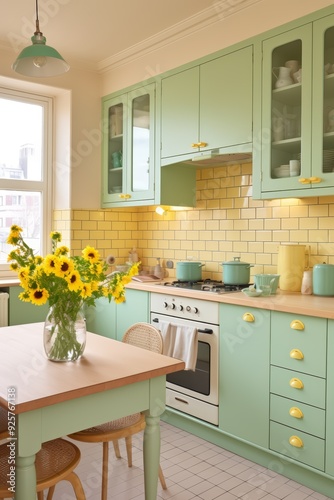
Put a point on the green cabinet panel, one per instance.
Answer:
(288, 345)
(101, 319)
(312, 449)
(180, 112)
(24, 312)
(112, 320)
(298, 415)
(330, 401)
(244, 373)
(135, 309)
(287, 382)
(210, 103)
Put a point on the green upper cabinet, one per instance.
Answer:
(208, 107)
(128, 147)
(293, 136)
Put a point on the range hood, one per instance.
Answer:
(214, 157)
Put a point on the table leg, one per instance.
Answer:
(151, 456)
(25, 478)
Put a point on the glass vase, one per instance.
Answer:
(64, 333)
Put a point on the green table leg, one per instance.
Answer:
(25, 478)
(151, 456)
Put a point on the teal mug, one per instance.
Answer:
(117, 159)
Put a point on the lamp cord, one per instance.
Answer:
(37, 20)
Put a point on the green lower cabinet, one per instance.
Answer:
(299, 446)
(101, 319)
(135, 309)
(244, 373)
(20, 312)
(112, 320)
(330, 401)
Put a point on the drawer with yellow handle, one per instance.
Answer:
(298, 415)
(298, 386)
(299, 343)
(299, 446)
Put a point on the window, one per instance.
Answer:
(25, 169)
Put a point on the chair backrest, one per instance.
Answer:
(145, 336)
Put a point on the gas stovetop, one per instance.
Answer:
(207, 286)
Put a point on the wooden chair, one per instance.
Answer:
(55, 462)
(147, 337)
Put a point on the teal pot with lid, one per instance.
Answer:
(323, 280)
(236, 272)
(189, 271)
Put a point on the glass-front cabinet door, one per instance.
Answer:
(287, 110)
(323, 102)
(128, 147)
(297, 133)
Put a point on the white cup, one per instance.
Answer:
(294, 168)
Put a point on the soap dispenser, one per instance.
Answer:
(158, 271)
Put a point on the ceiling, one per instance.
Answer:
(95, 31)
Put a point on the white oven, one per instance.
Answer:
(193, 392)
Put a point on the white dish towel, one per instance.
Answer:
(180, 342)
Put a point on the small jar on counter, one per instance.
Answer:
(307, 283)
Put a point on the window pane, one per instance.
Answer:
(21, 135)
(24, 209)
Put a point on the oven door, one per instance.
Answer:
(196, 392)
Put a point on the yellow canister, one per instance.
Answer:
(292, 261)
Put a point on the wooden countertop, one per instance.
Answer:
(38, 382)
(291, 302)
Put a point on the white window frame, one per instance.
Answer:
(44, 186)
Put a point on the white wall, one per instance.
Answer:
(225, 30)
(77, 159)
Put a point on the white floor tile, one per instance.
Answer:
(194, 470)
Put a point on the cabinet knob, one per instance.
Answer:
(296, 441)
(296, 354)
(296, 383)
(296, 412)
(199, 144)
(315, 180)
(248, 317)
(297, 325)
(125, 196)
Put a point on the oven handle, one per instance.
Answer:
(207, 331)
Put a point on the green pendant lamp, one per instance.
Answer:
(40, 60)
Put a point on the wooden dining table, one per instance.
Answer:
(53, 399)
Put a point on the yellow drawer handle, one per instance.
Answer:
(315, 180)
(199, 144)
(296, 354)
(296, 442)
(125, 196)
(303, 180)
(296, 383)
(248, 317)
(296, 412)
(297, 325)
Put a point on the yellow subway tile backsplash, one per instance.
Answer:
(226, 222)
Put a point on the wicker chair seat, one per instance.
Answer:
(54, 462)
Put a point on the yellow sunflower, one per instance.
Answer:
(74, 281)
(63, 266)
(50, 264)
(86, 290)
(89, 253)
(39, 297)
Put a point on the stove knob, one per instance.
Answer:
(173, 306)
(181, 308)
(165, 305)
(195, 310)
(188, 308)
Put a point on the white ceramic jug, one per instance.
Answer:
(283, 77)
(291, 264)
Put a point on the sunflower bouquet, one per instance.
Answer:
(66, 283)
